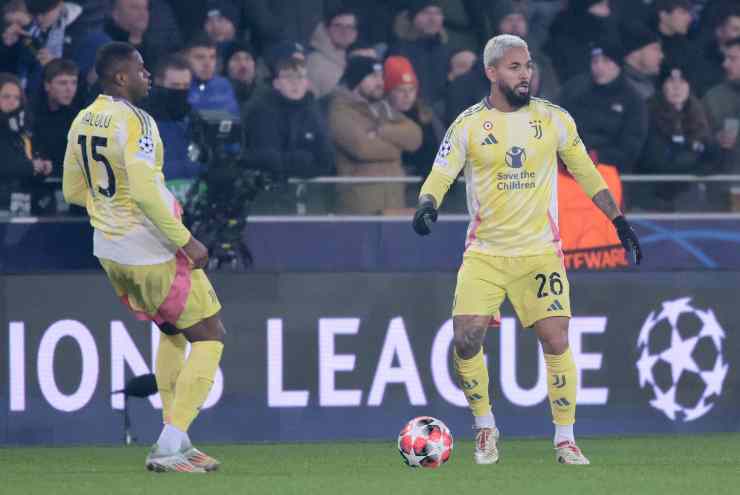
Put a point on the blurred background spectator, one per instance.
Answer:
(240, 67)
(574, 30)
(679, 138)
(285, 133)
(54, 109)
(153, 35)
(642, 58)
(723, 108)
(168, 105)
(422, 40)
(727, 29)
(612, 119)
(222, 23)
(330, 42)
(402, 94)
(208, 91)
(48, 34)
(19, 163)
(369, 137)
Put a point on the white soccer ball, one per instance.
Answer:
(681, 359)
(425, 442)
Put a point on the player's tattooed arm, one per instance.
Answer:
(605, 201)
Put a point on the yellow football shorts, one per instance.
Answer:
(537, 287)
(169, 292)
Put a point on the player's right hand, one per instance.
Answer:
(197, 252)
(424, 217)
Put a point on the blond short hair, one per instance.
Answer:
(497, 46)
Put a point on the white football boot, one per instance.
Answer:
(486, 446)
(568, 453)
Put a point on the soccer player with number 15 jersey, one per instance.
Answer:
(113, 167)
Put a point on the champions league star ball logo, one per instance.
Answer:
(516, 157)
(681, 360)
(146, 144)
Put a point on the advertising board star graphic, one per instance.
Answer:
(645, 367)
(700, 410)
(673, 309)
(678, 355)
(666, 402)
(711, 327)
(715, 378)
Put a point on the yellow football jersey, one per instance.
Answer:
(510, 166)
(113, 167)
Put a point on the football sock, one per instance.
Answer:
(561, 388)
(473, 376)
(170, 440)
(195, 381)
(170, 360)
(563, 434)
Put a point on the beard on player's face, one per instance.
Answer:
(516, 96)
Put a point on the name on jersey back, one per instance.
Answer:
(97, 120)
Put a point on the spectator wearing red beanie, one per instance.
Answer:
(402, 90)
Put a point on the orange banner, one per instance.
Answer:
(589, 239)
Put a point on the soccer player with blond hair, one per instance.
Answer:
(113, 167)
(508, 146)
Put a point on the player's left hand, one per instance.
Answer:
(424, 217)
(197, 252)
(628, 238)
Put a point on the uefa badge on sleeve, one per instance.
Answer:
(444, 150)
(146, 144)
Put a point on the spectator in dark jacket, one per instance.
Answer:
(54, 111)
(209, 91)
(726, 30)
(240, 67)
(402, 88)
(679, 137)
(574, 30)
(168, 105)
(271, 21)
(286, 133)
(15, 18)
(642, 58)
(221, 23)
(425, 46)
(722, 103)
(153, 35)
(611, 117)
(18, 165)
(673, 22)
(51, 34)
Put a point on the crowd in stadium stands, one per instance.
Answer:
(367, 88)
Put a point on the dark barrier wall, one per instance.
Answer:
(324, 245)
(322, 356)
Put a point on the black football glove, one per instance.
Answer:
(424, 217)
(628, 238)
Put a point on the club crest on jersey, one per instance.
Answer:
(146, 144)
(537, 126)
(487, 125)
(516, 157)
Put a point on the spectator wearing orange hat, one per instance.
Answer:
(402, 94)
